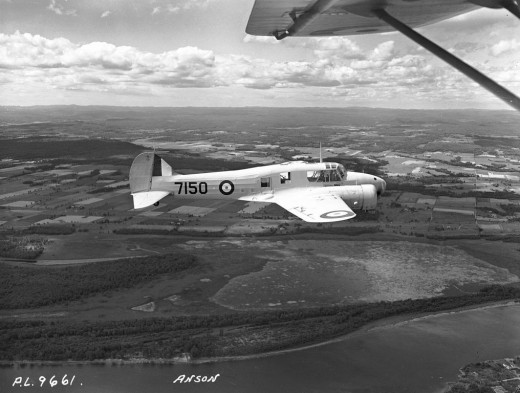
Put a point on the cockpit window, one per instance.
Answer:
(326, 176)
(341, 171)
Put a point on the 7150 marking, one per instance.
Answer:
(192, 187)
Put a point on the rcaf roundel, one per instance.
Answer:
(226, 187)
(337, 214)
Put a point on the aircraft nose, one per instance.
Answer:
(381, 186)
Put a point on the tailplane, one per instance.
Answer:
(144, 169)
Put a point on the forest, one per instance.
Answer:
(41, 147)
(32, 286)
(230, 334)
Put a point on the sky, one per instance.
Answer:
(196, 53)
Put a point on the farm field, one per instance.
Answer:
(447, 224)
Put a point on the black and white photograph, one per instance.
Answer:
(249, 196)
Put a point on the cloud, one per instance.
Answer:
(335, 49)
(383, 52)
(260, 39)
(505, 46)
(178, 6)
(334, 67)
(33, 58)
(59, 9)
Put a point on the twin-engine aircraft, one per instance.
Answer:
(314, 192)
(317, 18)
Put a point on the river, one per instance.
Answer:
(417, 356)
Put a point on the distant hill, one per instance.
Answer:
(109, 120)
(33, 148)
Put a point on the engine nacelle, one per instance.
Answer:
(359, 197)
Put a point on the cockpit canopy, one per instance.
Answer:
(332, 173)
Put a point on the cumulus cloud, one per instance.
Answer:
(338, 62)
(337, 67)
(505, 46)
(261, 39)
(35, 58)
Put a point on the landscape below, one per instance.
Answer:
(85, 277)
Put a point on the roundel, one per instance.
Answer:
(337, 214)
(226, 187)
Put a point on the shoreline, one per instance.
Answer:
(384, 323)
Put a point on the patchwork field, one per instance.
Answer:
(443, 184)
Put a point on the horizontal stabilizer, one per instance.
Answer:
(148, 198)
(145, 168)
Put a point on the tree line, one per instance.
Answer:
(233, 333)
(28, 287)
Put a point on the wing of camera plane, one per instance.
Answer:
(311, 205)
(302, 18)
(315, 18)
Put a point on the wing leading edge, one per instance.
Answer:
(309, 205)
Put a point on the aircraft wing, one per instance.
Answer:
(346, 17)
(309, 205)
(304, 18)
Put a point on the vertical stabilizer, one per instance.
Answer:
(145, 167)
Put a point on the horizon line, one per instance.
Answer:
(254, 107)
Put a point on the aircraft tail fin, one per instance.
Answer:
(145, 167)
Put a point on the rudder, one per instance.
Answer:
(144, 168)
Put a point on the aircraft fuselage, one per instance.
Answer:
(267, 179)
(305, 189)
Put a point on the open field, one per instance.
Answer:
(256, 274)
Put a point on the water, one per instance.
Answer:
(417, 356)
(324, 272)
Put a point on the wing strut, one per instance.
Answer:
(452, 60)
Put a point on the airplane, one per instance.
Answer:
(315, 192)
(317, 18)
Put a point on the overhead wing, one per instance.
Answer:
(303, 18)
(347, 17)
(308, 204)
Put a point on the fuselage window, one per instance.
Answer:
(265, 182)
(285, 177)
(313, 176)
